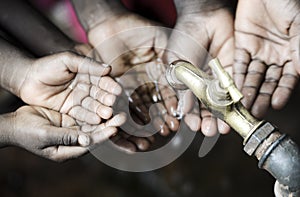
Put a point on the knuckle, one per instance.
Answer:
(67, 56)
(43, 135)
(68, 139)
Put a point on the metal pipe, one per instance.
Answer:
(276, 153)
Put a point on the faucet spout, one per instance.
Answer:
(214, 94)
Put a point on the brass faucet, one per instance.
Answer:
(276, 152)
(220, 95)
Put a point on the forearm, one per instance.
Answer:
(32, 29)
(93, 12)
(6, 128)
(14, 67)
(196, 6)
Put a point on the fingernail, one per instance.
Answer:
(105, 65)
(84, 140)
(117, 90)
(96, 119)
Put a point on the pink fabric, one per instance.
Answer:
(78, 30)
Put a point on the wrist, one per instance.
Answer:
(18, 76)
(14, 70)
(6, 129)
(93, 12)
(191, 7)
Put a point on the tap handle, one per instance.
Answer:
(226, 81)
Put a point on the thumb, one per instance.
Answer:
(68, 137)
(84, 65)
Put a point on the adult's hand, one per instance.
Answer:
(267, 52)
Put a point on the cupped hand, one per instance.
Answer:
(197, 35)
(127, 40)
(267, 52)
(56, 136)
(71, 84)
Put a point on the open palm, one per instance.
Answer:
(71, 84)
(198, 35)
(267, 52)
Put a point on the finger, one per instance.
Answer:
(107, 83)
(169, 98)
(87, 128)
(66, 137)
(160, 126)
(285, 87)
(133, 116)
(62, 153)
(139, 118)
(66, 121)
(253, 80)
(149, 137)
(124, 145)
(140, 142)
(102, 96)
(142, 55)
(137, 95)
(140, 130)
(85, 65)
(98, 137)
(263, 100)
(143, 92)
(172, 122)
(97, 108)
(138, 107)
(261, 105)
(84, 115)
(192, 119)
(186, 102)
(78, 122)
(154, 92)
(223, 128)
(295, 50)
(209, 123)
(115, 121)
(240, 66)
(158, 111)
(81, 78)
